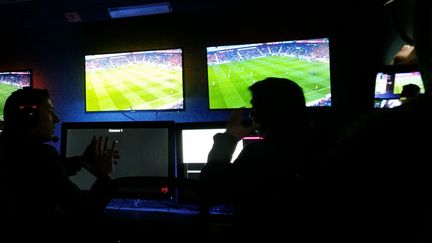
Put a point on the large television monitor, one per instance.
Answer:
(146, 149)
(11, 81)
(233, 68)
(389, 82)
(132, 81)
(194, 142)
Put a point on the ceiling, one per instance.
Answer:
(24, 15)
(30, 14)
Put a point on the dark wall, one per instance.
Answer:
(56, 54)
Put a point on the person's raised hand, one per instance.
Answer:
(98, 158)
(235, 126)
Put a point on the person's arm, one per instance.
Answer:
(98, 159)
(225, 143)
(217, 178)
(222, 150)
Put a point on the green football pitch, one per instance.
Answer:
(5, 91)
(228, 82)
(401, 82)
(134, 87)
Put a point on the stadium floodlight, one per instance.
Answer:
(140, 10)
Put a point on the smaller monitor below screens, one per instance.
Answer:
(194, 146)
(145, 149)
(386, 103)
(390, 82)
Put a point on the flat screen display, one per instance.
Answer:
(11, 81)
(146, 149)
(133, 81)
(390, 81)
(194, 142)
(233, 68)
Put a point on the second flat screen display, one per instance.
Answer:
(130, 81)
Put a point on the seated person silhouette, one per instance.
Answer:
(37, 195)
(383, 178)
(265, 182)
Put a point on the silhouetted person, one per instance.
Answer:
(381, 177)
(409, 92)
(38, 200)
(266, 183)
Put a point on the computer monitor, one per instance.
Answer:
(11, 81)
(134, 81)
(389, 82)
(146, 149)
(194, 142)
(233, 68)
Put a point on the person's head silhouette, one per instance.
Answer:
(272, 97)
(29, 112)
(409, 91)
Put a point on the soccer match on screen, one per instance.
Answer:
(11, 81)
(145, 80)
(232, 69)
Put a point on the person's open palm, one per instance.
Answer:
(99, 159)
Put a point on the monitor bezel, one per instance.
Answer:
(170, 125)
(179, 146)
(181, 166)
(391, 70)
(181, 49)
